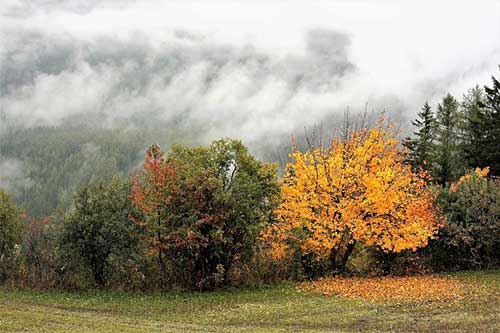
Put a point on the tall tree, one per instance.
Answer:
(473, 128)
(490, 118)
(420, 146)
(446, 148)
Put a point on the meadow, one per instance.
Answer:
(281, 308)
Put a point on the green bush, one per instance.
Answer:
(204, 210)
(98, 238)
(10, 236)
(40, 264)
(471, 237)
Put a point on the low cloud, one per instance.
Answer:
(255, 70)
(12, 176)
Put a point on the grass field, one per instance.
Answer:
(268, 309)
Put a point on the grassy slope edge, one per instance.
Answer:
(268, 309)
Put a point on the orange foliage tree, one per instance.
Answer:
(153, 191)
(356, 190)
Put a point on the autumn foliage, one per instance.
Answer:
(153, 190)
(478, 174)
(357, 190)
(390, 288)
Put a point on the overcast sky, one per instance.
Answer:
(243, 68)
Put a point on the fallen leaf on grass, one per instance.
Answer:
(408, 288)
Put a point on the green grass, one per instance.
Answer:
(269, 309)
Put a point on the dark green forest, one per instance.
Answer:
(59, 160)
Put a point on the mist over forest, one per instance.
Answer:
(87, 86)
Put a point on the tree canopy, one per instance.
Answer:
(357, 189)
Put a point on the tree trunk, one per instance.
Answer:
(345, 257)
(333, 260)
(161, 263)
(98, 273)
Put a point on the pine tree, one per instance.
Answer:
(490, 126)
(446, 149)
(420, 146)
(473, 128)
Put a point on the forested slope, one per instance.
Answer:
(55, 161)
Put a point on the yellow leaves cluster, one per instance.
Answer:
(408, 288)
(478, 172)
(356, 190)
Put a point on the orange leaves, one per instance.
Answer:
(152, 191)
(152, 187)
(356, 190)
(478, 173)
(482, 172)
(409, 288)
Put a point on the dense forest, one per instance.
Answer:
(59, 160)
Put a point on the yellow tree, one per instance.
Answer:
(356, 190)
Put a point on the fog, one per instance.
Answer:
(12, 176)
(254, 70)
